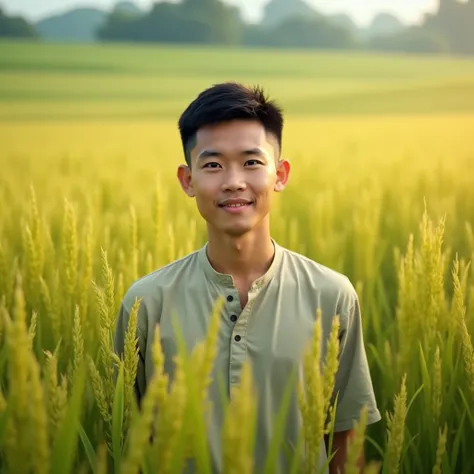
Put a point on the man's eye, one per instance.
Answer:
(212, 164)
(254, 162)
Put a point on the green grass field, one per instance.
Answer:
(150, 82)
(372, 140)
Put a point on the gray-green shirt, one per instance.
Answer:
(272, 329)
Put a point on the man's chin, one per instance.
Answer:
(237, 231)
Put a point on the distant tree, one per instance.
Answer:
(411, 40)
(127, 7)
(16, 27)
(297, 32)
(455, 20)
(257, 35)
(213, 21)
(345, 21)
(193, 21)
(78, 24)
(311, 33)
(162, 23)
(277, 11)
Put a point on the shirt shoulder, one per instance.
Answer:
(319, 279)
(150, 287)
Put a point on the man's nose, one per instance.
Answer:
(234, 181)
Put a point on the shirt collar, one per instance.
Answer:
(227, 280)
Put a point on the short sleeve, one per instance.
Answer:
(353, 382)
(119, 344)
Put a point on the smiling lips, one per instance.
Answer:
(235, 205)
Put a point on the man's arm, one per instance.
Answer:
(339, 448)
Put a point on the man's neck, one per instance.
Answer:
(246, 257)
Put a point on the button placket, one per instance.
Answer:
(238, 347)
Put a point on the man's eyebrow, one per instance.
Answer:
(254, 151)
(246, 152)
(208, 153)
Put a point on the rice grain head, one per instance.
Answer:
(396, 430)
(331, 363)
(311, 399)
(440, 450)
(78, 344)
(130, 359)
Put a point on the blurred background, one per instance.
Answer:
(144, 59)
(379, 105)
(435, 26)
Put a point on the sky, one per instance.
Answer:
(362, 11)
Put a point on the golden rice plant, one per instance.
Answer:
(315, 391)
(72, 242)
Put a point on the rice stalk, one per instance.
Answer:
(239, 426)
(437, 396)
(149, 263)
(120, 290)
(142, 426)
(158, 219)
(407, 326)
(40, 448)
(35, 225)
(100, 394)
(170, 421)
(133, 244)
(69, 254)
(86, 279)
(18, 343)
(3, 272)
(102, 460)
(171, 248)
(32, 268)
(356, 445)
(460, 311)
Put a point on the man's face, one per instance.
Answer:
(234, 173)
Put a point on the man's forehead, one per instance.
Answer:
(237, 129)
(233, 137)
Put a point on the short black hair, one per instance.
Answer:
(229, 101)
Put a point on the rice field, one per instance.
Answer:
(382, 190)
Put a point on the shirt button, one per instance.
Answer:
(233, 318)
(230, 298)
(237, 338)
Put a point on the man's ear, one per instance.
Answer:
(185, 179)
(283, 173)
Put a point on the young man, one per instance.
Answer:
(232, 140)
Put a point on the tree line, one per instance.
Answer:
(449, 30)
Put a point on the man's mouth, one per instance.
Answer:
(235, 205)
(241, 204)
